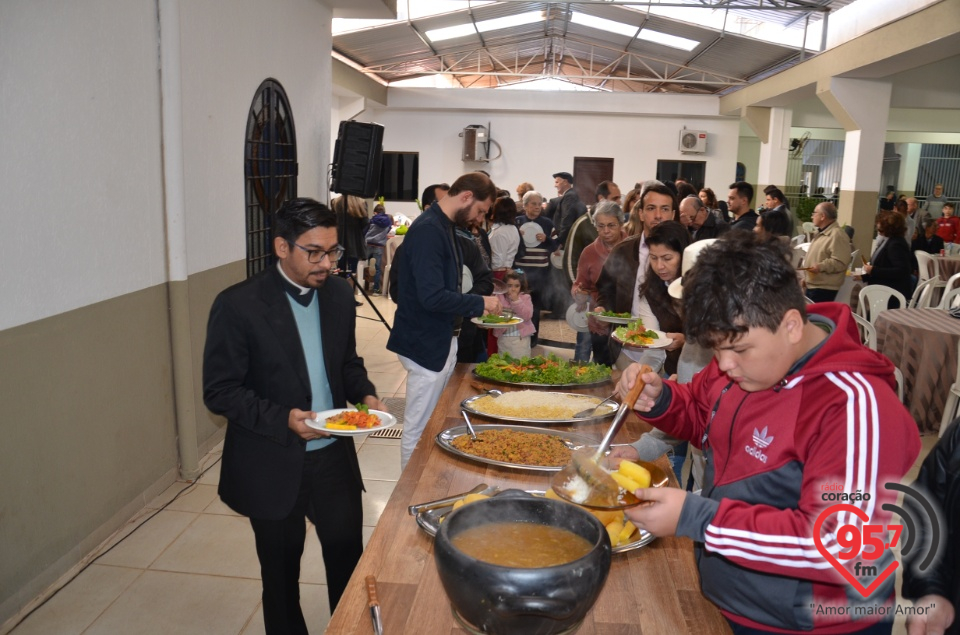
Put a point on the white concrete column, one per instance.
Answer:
(862, 107)
(909, 167)
(772, 126)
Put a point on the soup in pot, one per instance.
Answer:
(521, 545)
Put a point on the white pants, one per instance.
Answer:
(423, 391)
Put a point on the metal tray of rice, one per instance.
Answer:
(518, 447)
(537, 406)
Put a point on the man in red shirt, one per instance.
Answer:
(948, 225)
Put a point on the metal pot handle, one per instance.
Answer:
(526, 605)
(512, 493)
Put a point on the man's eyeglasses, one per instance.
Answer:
(316, 255)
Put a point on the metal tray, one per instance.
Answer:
(445, 441)
(467, 404)
(429, 522)
(528, 384)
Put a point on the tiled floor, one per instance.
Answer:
(192, 568)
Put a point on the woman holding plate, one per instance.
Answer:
(657, 309)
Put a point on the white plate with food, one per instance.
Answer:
(529, 231)
(350, 422)
(611, 317)
(633, 338)
(497, 321)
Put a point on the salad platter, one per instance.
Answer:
(547, 371)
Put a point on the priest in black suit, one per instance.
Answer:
(280, 348)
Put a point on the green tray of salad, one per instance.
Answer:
(544, 371)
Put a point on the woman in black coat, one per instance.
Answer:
(939, 478)
(892, 263)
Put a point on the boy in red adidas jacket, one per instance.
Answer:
(791, 413)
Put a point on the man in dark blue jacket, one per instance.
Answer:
(431, 302)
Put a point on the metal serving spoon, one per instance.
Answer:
(602, 492)
(473, 434)
(590, 412)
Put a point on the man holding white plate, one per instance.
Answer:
(281, 348)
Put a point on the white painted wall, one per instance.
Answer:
(540, 134)
(228, 49)
(80, 168)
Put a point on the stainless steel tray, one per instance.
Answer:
(429, 522)
(527, 384)
(445, 441)
(467, 404)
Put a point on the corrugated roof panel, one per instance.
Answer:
(742, 57)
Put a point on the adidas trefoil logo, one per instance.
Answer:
(761, 438)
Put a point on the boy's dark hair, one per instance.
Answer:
(429, 196)
(744, 190)
(300, 215)
(776, 222)
(744, 280)
(505, 211)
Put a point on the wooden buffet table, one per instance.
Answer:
(655, 589)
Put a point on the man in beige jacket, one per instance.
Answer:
(828, 256)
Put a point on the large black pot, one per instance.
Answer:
(504, 600)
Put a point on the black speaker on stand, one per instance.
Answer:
(357, 156)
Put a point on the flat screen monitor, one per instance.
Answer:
(399, 176)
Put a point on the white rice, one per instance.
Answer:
(534, 404)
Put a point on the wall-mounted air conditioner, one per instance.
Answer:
(693, 141)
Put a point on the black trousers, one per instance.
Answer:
(330, 497)
(821, 295)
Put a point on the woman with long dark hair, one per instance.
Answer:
(658, 310)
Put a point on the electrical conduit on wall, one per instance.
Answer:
(176, 239)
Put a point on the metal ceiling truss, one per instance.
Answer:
(554, 61)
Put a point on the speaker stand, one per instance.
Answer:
(349, 275)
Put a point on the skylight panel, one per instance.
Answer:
(509, 21)
(450, 32)
(603, 24)
(673, 41)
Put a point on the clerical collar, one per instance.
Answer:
(303, 295)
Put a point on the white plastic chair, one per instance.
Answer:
(797, 240)
(809, 229)
(953, 399)
(899, 377)
(854, 260)
(798, 256)
(845, 290)
(922, 297)
(868, 333)
(874, 299)
(928, 268)
(951, 299)
(952, 283)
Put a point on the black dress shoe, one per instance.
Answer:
(358, 302)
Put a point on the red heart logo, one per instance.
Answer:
(833, 509)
